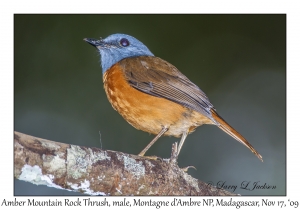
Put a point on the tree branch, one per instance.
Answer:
(101, 172)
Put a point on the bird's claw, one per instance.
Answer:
(151, 157)
(185, 169)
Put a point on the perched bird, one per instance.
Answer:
(152, 94)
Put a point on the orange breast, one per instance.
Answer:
(146, 112)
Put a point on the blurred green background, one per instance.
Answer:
(239, 61)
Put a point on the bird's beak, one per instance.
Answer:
(94, 42)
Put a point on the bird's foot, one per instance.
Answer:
(174, 157)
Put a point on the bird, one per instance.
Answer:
(153, 95)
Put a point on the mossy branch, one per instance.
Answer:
(101, 172)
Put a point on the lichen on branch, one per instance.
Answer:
(101, 172)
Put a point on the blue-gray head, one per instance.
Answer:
(117, 47)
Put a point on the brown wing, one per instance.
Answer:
(159, 78)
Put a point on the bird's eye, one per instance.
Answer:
(124, 42)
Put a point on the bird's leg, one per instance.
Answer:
(183, 137)
(163, 130)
